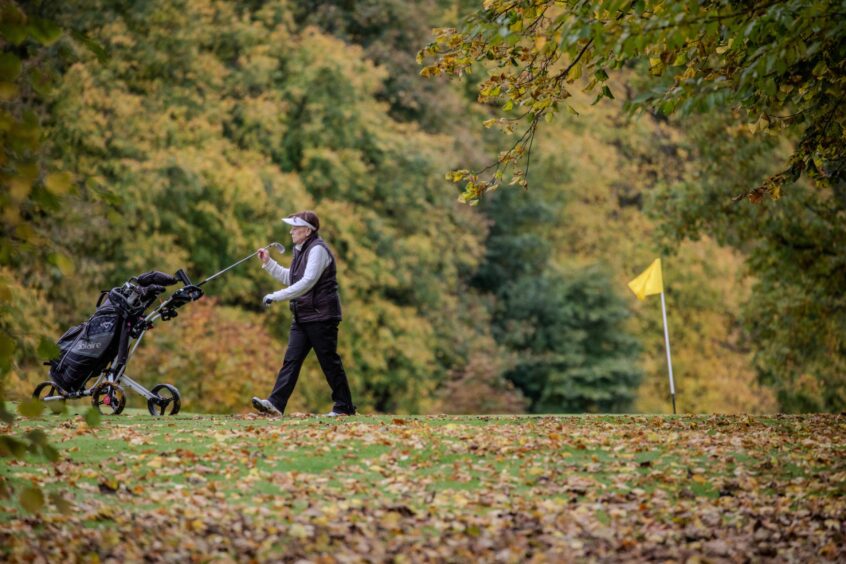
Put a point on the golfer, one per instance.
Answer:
(314, 300)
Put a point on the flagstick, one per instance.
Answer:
(669, 360)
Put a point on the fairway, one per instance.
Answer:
(433, 488)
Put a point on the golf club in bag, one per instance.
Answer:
(94, 354)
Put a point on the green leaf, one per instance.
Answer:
(10, 66)
(96, 48)
(47, 349)
(11, 14)
(7, 349)
(44, 31)
(11, 447)
(57, 407)
(45, 200)
(13, 27)
(31, 407)
(5, 415)
(50, 453)
(42, 81)
(61, 504)
(769, 87)
(667, 107)
(37, 437)
(32, 499)
(92, 417)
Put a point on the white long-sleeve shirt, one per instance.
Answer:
(316, 262)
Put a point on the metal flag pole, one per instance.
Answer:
(669, 359)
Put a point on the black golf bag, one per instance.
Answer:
(90, 347)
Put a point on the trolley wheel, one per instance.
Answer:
(109, 398)
(166, 402)
(49, 389)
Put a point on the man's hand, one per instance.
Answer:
(263, 255)
(268, 299)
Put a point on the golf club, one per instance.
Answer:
(187, 281)
(278, 246)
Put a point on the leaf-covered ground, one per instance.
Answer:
(434, 488)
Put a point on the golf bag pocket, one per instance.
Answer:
(86, 349)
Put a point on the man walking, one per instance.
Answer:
(316, 306)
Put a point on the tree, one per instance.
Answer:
(592, 184)
(574, 353)
(796, 315)
(779, 66)
(565, 328)
(389, 31)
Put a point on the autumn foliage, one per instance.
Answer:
(177, 136)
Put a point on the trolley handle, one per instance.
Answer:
(183, 277)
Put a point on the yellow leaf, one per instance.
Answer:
(8, 90)
(575, 72)
(31, 407)
(5, 293)
(59, 182)
(391, 520)
(197, 525)
(64, 264)
(298, 531)
(19, 187)
(32, 499)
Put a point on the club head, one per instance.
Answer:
(278, 246)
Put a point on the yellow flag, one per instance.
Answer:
(649, 282)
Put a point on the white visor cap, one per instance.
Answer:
(298, 222)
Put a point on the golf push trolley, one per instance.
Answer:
(94, 354)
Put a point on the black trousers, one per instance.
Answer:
(322, 336)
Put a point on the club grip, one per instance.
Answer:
(183, 277)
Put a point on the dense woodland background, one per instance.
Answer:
(163, 135)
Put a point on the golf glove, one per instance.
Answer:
(268, 299)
